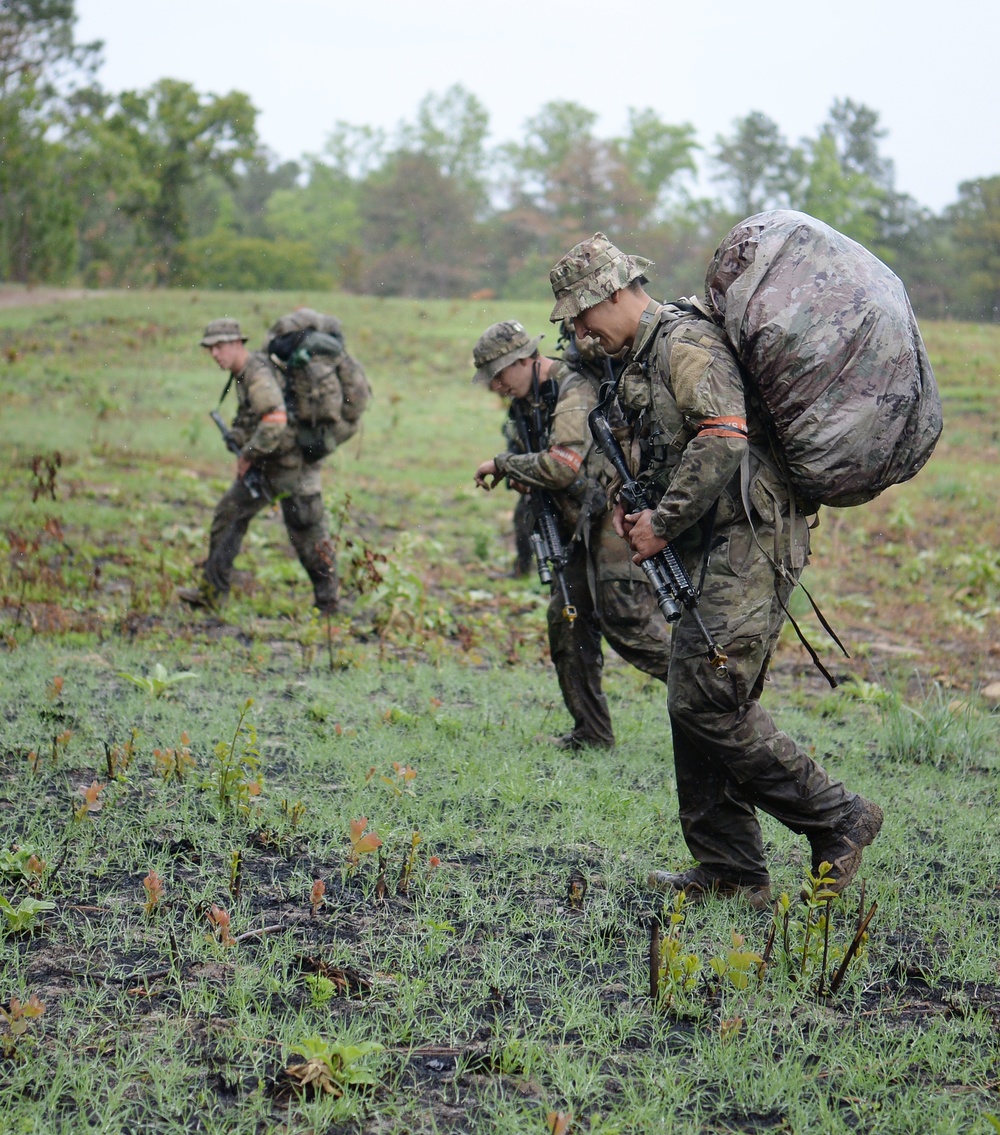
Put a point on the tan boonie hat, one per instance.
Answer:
(590, 272)
(499, 346)
(222, 331)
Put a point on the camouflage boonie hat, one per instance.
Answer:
(222, 331)
(499, 346)
(590, 272)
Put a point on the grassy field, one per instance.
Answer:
(487, 967)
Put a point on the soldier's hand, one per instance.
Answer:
(487, 469)
(641, 537)
(519, 487)
(618, 520)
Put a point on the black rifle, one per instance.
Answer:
(253, 479)
(664, 570)
(551, 556)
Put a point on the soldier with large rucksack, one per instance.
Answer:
(800, 380)
(297, 399)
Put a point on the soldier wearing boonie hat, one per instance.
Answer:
(680, 378)
(590, 272)
(222, 331)
(499, 346)
(266, 443)
(601, 582)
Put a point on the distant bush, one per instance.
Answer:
(240, 263)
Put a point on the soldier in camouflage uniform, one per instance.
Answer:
(610, 594)
(694, 429)
(268, 445)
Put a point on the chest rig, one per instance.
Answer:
(659, 431)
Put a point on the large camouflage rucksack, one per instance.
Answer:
(326, 391)
(828, 339)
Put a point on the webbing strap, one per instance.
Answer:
(782, 572)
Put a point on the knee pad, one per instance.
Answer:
(303, 512)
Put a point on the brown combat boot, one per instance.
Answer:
(572, 743)
(204, 595)
(843, 847)
(699, 886)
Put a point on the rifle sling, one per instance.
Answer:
(225, 389)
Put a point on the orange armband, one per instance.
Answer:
(567, 457)
(276, 416)
(723, 427)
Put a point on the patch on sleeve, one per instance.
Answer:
(567, 457)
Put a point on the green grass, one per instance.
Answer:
(494, 1000)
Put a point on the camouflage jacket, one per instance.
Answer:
(682, 383)
(571, 467)
(261, 424)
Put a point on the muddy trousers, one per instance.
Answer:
(306, 523)
(625, 612)
(729, 757)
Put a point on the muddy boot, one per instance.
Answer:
(842, 848)
(574, 742)
(204, 595)
(326, 591)
(699, 886)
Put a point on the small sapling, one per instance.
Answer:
(22, 917)
(91, 801)
(219, 920)
(362, 842)
(316, 896)
(173, 764)
(332, 1067)
(18, 1015)
(153, 886)
(158, 683)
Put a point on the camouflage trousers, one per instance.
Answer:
(730, 758)
(612, 598)
(299, 487)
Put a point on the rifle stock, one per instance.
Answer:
(666, 573)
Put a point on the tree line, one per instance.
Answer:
(172, 186)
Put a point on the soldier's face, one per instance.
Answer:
(513, 381)
(227, 354)
(606, 323)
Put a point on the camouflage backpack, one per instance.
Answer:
(326, 391)
(828, 339)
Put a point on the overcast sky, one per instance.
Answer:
(929, 69)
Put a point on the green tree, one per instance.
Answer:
(975, 229)
(324, 213)
(755, 164)
(551, 136)
(179, 136)
(41, 65)
(848, 202)
(245, 263)
(656, 153)
(419, 231)
(38, 49)
(450, 131)
(855, 130)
